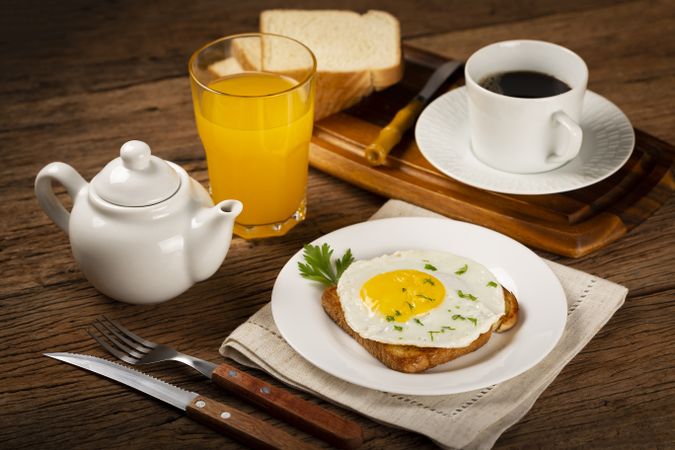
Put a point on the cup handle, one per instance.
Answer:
(573, 142)
(69, 178)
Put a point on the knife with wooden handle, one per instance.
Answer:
(390, 135)
(283, 404)
(245, 428)
(289, 407)
(278, 402)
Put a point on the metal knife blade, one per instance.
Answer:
(376, 152)
(247, 429)
(440, 75)
(159, 389)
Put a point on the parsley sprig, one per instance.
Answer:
(318, 265)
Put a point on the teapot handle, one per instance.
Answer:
(69, 178)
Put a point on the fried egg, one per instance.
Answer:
(420, 297)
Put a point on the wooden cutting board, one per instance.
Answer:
(572, 224)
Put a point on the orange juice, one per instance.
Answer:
(256, 130)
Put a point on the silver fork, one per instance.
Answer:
(134, 350)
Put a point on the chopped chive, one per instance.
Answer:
(418, 321)
(410, 305)
(390, 318)
(473, 320)
(398, 313)
(430, 267)
(404, 290)
(431, 334)
(426, 297)
(397, 328)
(468, 296)
(447, 328)
(492, 284)
(462, 270)
(429, 281)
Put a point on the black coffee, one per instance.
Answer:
(524, 84)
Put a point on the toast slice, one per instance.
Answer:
(355, 53)
(225, 67)
(408, 358)
(344, 41)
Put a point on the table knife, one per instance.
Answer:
(390, 135)
(281, 403)
(246, 429)
(303, 414)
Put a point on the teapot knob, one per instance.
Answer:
(135, 155)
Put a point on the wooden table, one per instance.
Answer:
(80, 79)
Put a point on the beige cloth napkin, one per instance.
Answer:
(469, 420)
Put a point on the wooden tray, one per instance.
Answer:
(571, 224)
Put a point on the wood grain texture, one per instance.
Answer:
(283, 404)
(249, 430)
(81, 78)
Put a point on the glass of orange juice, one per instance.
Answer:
(253, 97)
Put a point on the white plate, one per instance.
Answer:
(442, 134)
(297, 311)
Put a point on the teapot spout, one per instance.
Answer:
(210, 237)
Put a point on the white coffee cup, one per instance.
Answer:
(525, 135)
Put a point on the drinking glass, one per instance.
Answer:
(253, 98)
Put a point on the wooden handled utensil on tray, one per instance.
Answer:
(390, 135)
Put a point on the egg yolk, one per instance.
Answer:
(401, 294)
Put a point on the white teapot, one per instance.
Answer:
(143, 231)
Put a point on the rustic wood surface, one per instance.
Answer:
(79, 78)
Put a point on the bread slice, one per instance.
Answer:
(356, 53)
(408, 358)
(344, 41)
(225, 67)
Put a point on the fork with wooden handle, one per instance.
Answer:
(307, 416)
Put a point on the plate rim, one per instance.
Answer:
(292, 261)
(523, 191)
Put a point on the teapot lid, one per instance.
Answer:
(136, 178)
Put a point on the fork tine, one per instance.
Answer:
(118, 354)
(133, 345)
(131, 335)
(120, 346)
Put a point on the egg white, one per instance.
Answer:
(486, 309)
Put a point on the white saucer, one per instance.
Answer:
(442, 134)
